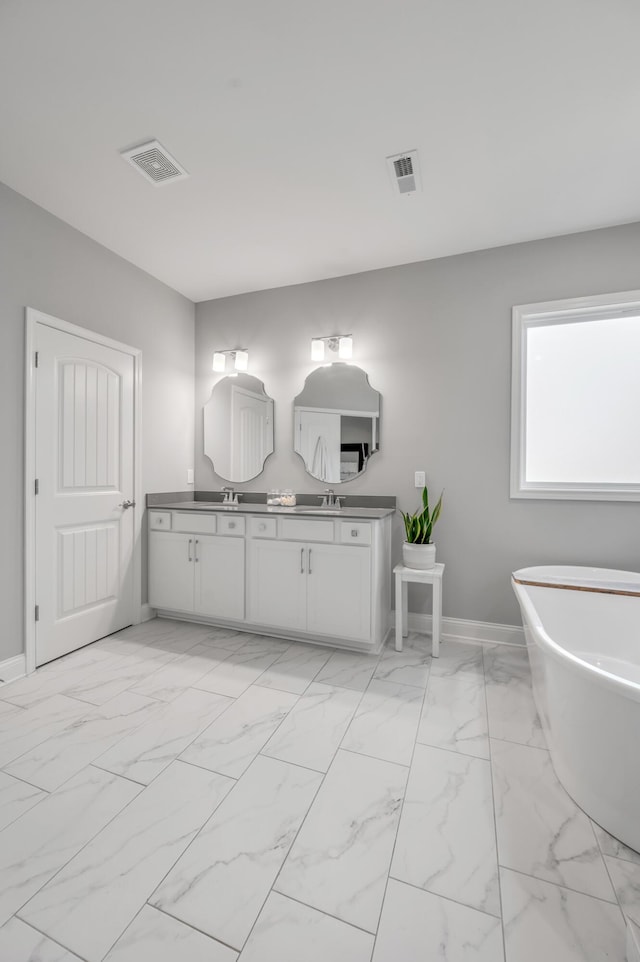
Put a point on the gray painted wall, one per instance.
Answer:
(435, 338)
(48, 265)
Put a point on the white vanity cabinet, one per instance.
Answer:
(277, 575)
(319, 588)
(339, 591)
(196, 572)
(171, 570)
(219, 582)
(324, 580)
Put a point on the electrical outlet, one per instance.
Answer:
(420, 479)
(189, 475)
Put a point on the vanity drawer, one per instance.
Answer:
(230, 524)
(262, 527)
(160, 519)
(354, 532)
(299, 529)
(194, 522)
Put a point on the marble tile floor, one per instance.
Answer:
(177, 791)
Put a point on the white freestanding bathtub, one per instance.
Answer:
(582, 627)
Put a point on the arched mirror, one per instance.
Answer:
(238, 427)
(337, 422)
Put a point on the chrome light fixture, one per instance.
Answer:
(340, 344)
(240, 359)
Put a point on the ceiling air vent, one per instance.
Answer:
(155, 163)
(404, 172)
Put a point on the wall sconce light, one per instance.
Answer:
(240, 359)
(317, 349)
(340, 344)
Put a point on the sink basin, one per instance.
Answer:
(305, 510)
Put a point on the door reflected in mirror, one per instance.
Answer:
(238, 427)
(337, 422)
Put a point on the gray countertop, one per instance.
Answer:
(300, 510)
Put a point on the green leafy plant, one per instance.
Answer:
(419, 525)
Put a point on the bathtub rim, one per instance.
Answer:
(558, 652)
(612, 581)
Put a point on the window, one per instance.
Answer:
(575, 402)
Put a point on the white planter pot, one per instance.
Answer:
(418, 555)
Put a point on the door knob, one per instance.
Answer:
(127, 504)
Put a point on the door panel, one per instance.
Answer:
(88, 426)
(219, 577)
(171, 570)
(88, 566)
(84, 463)
(339, 591)
(277, 591)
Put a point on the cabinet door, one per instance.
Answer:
(171, 570)
(339, 591)
(219, 577)
(277, 583)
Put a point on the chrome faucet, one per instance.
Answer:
(230, 497)
(328, 499)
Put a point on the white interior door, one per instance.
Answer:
(84, 462)
(250, 419)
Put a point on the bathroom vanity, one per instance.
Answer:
(306, 573)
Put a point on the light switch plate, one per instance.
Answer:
(189, 475)
(420, 479)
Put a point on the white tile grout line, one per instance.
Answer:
(10, 704)
(606, 867)
(493, 800)
(189, 925)
(565, 888)
(633, 942)
(44, 935)
(144, 905)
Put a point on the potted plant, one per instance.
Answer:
(418, 551)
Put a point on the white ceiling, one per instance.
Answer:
(526, 114)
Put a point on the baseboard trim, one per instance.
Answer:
(146, 613)
(633, 941)
(453, 629)
(478, 632)
(13, 668)
(287, 635)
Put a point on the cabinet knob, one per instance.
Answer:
(354, 532)
(262, 527)
(232, 524)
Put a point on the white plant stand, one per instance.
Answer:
(426, 576)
